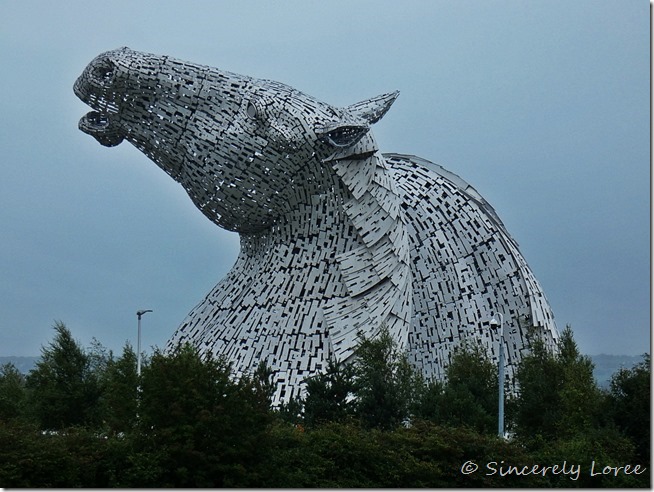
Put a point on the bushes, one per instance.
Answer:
(74, 457)
(424, 455)
(374, 423)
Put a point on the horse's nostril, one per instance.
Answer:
(104, 72)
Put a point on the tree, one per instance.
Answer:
(469, 396)
(330, 395)
(119, 395)
(428, 404)
(386, 383)
(535, 410)
(199, 427)
(630, 407)
(560, 414)
(580, 399)
(260, 385)
(558, 395)
(64, 389)
(12, 392)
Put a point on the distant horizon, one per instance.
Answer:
(115, 353)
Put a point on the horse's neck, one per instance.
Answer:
(313, 219)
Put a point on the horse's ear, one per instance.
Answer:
(356, 122)
(372, 110)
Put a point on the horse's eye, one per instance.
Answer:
(251, 110)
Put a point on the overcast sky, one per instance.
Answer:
(543, 106)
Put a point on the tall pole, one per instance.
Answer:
(138, 340)
(500, 374)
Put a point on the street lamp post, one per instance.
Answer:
(500, 374)
(138, 340)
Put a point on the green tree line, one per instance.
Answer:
(84, 418)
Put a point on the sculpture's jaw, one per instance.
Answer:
(101, 127)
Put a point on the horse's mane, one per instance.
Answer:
(377, 275)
